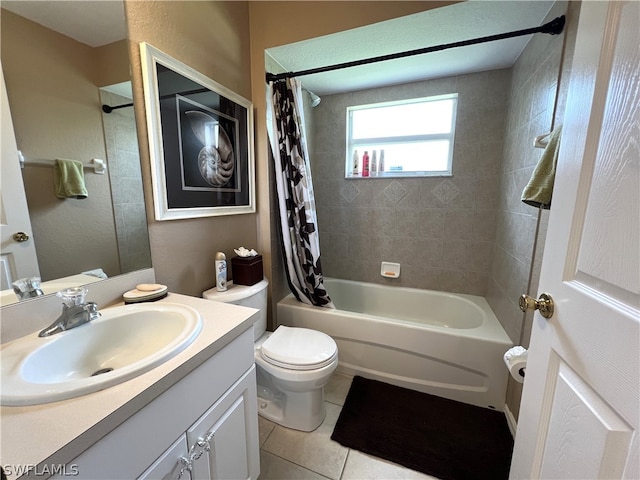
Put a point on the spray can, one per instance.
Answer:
(221, 272)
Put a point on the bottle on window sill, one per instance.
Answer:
(356, 160)
(373, 170)
(365, 164)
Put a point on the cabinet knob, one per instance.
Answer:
(186, 466)
(195, 452)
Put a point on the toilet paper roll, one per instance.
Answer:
(516, 361)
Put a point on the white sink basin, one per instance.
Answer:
(123, 343)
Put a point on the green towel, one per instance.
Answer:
(68, 179)
(538, 191)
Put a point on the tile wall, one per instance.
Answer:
(532, 100)
(536, 102)
(440, 229)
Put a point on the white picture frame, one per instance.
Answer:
(200, 141)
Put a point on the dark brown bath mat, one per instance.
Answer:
(440, 437)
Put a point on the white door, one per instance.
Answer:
(579, 416)
(18, 258)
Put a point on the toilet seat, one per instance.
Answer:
(299, 348)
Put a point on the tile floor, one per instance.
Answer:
(287, 454)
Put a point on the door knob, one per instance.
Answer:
(20, 237)
(544, 304)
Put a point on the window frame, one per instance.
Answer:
(358, 144)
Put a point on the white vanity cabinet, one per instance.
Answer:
(209, 418)
(216, 446)
(225, 454)
(172, 464)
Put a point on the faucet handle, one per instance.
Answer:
(92, 308)
(27, 287)
(73, 296)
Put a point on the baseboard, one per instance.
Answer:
(511, 421)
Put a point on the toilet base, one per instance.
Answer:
(299, 411)
(303, 411)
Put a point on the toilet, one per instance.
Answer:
(293, 364)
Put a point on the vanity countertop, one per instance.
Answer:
(58, 432)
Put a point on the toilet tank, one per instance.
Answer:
(254, 296)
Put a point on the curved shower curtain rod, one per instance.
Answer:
(554, 27)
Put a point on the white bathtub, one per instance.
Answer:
(445, 344)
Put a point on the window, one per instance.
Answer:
(409, 138)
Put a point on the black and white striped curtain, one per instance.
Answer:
(285, 124)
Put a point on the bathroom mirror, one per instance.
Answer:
(57, 78)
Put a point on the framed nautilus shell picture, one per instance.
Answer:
(200, 141)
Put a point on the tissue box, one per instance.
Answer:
(246, 270)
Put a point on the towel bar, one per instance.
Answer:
(541, 140)
(99, 166)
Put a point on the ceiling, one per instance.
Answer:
(98, 23)
(94, 23)
(453, 23)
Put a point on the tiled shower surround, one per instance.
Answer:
(537, 97)
(468, 233)
(126, 179)
(440, 229)
(532, 98)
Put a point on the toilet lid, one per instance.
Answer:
(299, 348)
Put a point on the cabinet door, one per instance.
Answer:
(170, 466)
(227, 436)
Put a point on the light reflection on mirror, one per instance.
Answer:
(56, 86)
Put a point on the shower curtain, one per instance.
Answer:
(296, 203)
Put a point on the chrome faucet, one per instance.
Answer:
(27, 288)
(75, 311)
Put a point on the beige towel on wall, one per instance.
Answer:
(539, 190)
(68, 179)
